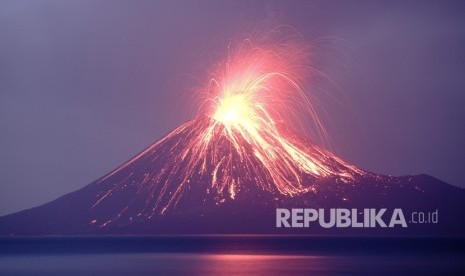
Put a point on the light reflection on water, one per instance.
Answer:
(221, 264)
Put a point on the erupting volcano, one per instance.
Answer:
(227, 170)
(238, 143)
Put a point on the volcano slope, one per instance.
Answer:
(204, 180)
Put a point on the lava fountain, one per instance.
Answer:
(241, 136)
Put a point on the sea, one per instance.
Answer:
(231, 255)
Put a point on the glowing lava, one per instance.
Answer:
(241, 140)
(235, 111)
(255, 88)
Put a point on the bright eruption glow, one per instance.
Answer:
(242, 136)
(255, 90)
(235, 110)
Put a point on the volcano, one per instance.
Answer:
(204, 180)
(230, 168)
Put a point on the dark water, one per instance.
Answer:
(232, 255)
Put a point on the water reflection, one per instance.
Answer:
(222, 264)
(226, 264)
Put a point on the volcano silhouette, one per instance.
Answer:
(159, 192)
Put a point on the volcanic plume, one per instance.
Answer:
(243, 155)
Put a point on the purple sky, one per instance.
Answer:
(84, 85)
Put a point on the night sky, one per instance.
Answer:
(85, 85)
